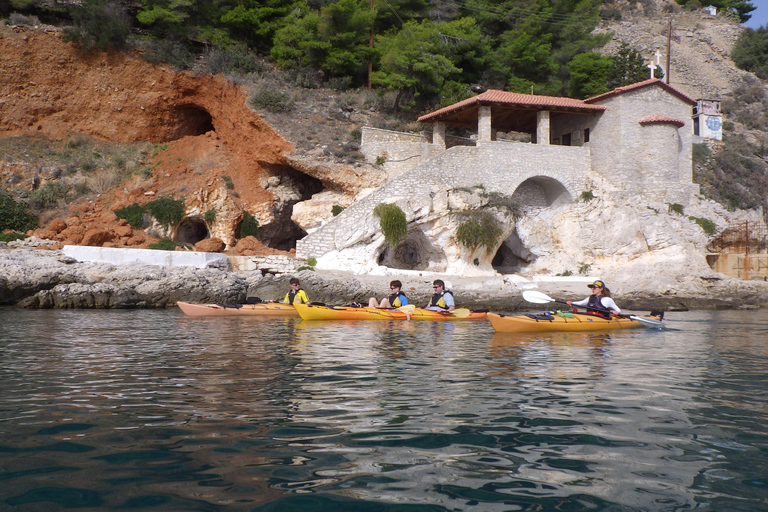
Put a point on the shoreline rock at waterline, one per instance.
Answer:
(32, 278)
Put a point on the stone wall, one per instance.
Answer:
(644, 158)
(558, 172)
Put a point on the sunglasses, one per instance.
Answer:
(593, 287)
(393, 287)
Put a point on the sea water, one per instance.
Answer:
(153, 410)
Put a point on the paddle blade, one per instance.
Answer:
(649, 322)
(461, 313)
(407, 309)
(537, 297)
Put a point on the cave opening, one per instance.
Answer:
(191, 230)
(191, 120)
(414, 252)
(291, 187)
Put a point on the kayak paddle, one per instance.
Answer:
(407, 309)
(541, 298)
(460, 313)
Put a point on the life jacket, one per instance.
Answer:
(595, 302)
(394, 299)
(291, 295)
(437, 300)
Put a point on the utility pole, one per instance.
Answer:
(669, 49)
(370, 59)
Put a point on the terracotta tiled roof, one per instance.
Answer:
(659, 119)
(494, 97)
(640, 85)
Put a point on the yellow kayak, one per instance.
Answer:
(560, 322)
(261, 309)
(323, 312)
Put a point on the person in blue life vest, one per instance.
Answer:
(442, 299)
(396, 297)
(599, 302)
(296, 294)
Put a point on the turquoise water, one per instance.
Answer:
(152, 410)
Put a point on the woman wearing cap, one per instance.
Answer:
(600, 302)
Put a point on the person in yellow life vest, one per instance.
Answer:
(396, 298)
(442, 299)
(296, 294)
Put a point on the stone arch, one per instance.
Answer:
(414, 252)
(541, 191)
(191, 230)
(191, 120)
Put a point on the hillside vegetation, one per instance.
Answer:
(314, 60)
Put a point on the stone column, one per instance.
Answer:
(484, 124)
(542, 127)
(438, 135)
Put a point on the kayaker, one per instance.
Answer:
(601, 299)
(396, 298)
(442, 299)
(296, 294)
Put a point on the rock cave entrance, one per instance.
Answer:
(191, 120)
(414, 252)
(191, 230)
(291, 187)
(538, 192)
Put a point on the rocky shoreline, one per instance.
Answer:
(34, 278)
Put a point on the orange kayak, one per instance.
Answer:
(322, 312)
(560, 323)
(261, 309)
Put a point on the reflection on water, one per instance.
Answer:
(150, 409)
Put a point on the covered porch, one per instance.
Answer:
(496, 111)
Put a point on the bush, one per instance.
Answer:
(236, 59)
(166, 244)
(49, 195)
(750, 52)
(172, 52)
(707, 225)
(392, 221)
(336, 209)
(133, 214)
(272, 101)
(248, 227)
(210, 216)
(15, 216)
(480, 229)
(675, 208)
(11, 237)
(99, 24)
(228, 182)
(166, 210)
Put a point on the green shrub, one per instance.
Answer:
(170, 51)
(12, 237)
(565, 273)
(311, 261)
(249, 226)
(166, 210)
(503, 201)
(210, 216)
(675, 208)
(587, 196)
(336, 209)
(133, 214)
(392, 221)
(480, 229)
(707, 225)
(381, 160)
(584, 268)
(49, 195)
(701, 153)
(15, 216)
(166, 244)
(272, 101)
(99, 24)
(228, 182)
(235, 59)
